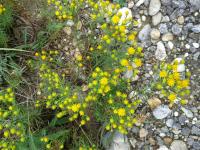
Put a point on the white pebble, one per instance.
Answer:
(194, 120)
(140, 2)
(170, 45)
(196, 45)
(175, 113)
(186, 55)
(144, 18)
(187, 46)
(196, 14)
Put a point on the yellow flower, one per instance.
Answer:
(172, 97)
(163, 74)
(131, 37)
(121, 112)
(185, 83)
(131, 50)
(115, 19)
(170, 82)
(75, 107)
(124, 62)
(104, 81)
(83, 122)
(138, 62)
(176, 75)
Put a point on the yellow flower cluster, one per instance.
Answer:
(117, 110)
(50, 143)
(55, 93)
(65, 10)
(172, 85)
(2, 9)
(11, 126)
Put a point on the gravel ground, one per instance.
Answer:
(169, 29)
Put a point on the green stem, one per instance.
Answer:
(13, 49)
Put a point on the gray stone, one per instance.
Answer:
(187, 112)
(161, 112)
(155, 34)
(186, 131)
(179, 4)
(190, 141)
(182, 119)
(167, 37)
(144, 34)
(176, 29)
(119, 141)
(163, 147)
(196, 145)
(178, 145)
(195, 130)
(140, 2)
(154, 7)
(166, 2)
(195, 4)
(160, 52)
(170, 122)
(196, 56)
(196, 28)
(156, 19)
(163, 28)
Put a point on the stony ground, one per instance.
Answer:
(169, 29)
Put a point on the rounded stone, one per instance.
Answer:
(178, 145)
(167, 37)
(155, 34)
(180, 20)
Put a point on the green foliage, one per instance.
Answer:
(121, 2)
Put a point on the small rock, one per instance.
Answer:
(163, 147)
(167, 140)
(185, 131)
(152, 141)
(144, 33)
(144, 18)
(180, 20)
(154, 7)
(165, 19)
(143, 133)
(140, 2)
(163, 28)
(196, 145)
(196, 28)
(176, 29)
(161, 112)
(170, 45)
(196, 45)
(119, 141)
(130, 4)
(187, 112)
(178, 145)
(170, 122)
(155, 34)
(176, 114)
(126, 14)
(156, 19)
(187, 46)
(154, 102)
(182, 119)
(167, 37)
(196, 56)
(160, 53)
(195, 4)
(195, 130)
